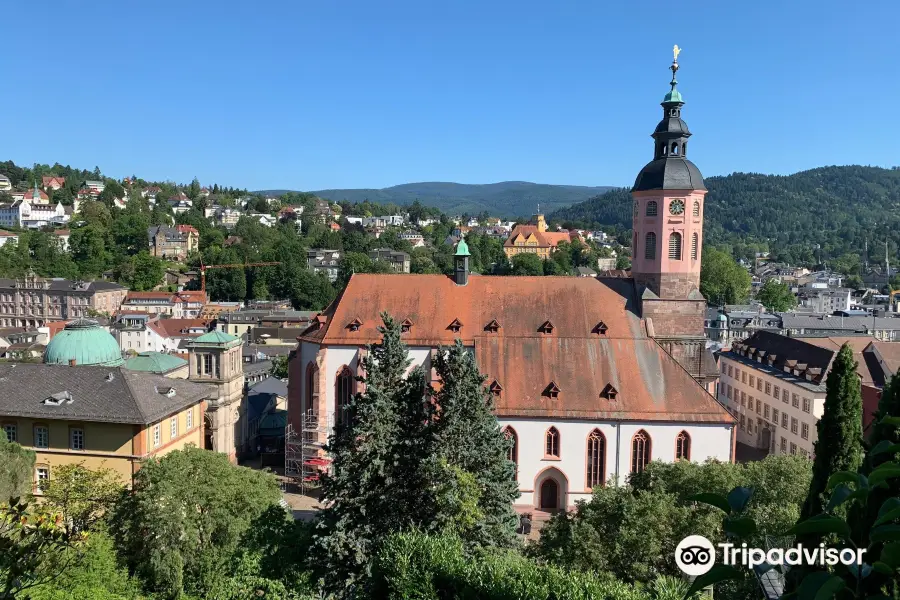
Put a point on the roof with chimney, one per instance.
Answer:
(582, 335)
(104, 394)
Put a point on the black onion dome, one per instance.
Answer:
(670, 173)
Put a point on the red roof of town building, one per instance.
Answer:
(179, 327)
(48, 180)
(545, 239)
(187, 228)
(62, 232)
(55, 327)
(505, 319)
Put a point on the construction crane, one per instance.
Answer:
(203, 269)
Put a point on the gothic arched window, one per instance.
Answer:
(696, 208)
(551, 446)
(596, 459)
(512, 455)
(652, 208)
(695, 242)
(650, 246)
(343, 392)
(640, 451)
(683, 446)
(675, 246)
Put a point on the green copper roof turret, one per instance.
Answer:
(462, 248)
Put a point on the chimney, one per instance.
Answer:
(72, 362)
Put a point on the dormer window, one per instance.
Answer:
(495, 388)
(354, 325)
(455, 326)
(600, 328)
(609, 392)
(546, 327)
(492, 327)
(405, 326)
(552, 391)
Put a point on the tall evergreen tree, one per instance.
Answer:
(371, 490)
(839, 442)
(471, 440)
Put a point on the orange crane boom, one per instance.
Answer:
(203, 269)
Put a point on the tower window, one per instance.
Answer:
(694, 243)
(675, 246)
(551, 439)
(652, 208)
(650, 246)
(640, 451)
(683, 446)
(674, 149)
(596, 459)
(696, 208)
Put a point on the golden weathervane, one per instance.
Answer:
(675, 52)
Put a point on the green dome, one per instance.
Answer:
(85, 342)
(462, 248)
(673, 96)
(154, 362)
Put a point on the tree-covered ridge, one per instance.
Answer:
(837, 208)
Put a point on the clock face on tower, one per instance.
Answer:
(676, 207)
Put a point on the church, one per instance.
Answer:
(592, 378)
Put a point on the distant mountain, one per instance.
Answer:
(835, 208)
(506, 199)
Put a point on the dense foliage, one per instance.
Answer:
(823, 214)
(16, 469)
(776, 296)
(722, 280)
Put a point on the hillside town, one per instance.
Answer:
(142, 322)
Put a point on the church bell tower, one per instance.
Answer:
(667, 244)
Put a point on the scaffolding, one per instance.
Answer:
(304, 454)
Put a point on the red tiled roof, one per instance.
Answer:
(168, 296)
(545, 239)
(48, 180)
(186, 228)
(175, 327)
(55, 327)
(8, 234)
(651, 384)
(61, 232)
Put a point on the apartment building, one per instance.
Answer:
(32, 301)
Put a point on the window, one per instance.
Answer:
(596, 459)
(743, 399)
(793, 448)
(343, 391)
(650, 246)
(675, 246)
(784, 420)
(683, 446)
(742, 422)
(795, 400)
(173, 428)
(551, 446)
(794, 425)
(804, 453)
(10, 430)
(775, 415)
(784, 396)
(157, 435)
(42, 477)
(207, 364)
(806, 404)
(776, 393)
(783, 446)
(312, 388)
(640, 451)
(41, 436)
(766, 412)
(728, 390)
(696, 203)
(743, 376)
(758, 406)
(512, 454)
(695, 243)
(759, 384)
(189, 418)
(752, 381)
(730, 371)
(76, 438)
(652, 208)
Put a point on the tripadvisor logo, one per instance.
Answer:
(695, 555)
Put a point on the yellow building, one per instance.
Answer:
(99, 416)
(535, 239)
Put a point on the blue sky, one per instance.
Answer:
(307, 94)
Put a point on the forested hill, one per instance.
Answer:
(837, 208)
(505, 199)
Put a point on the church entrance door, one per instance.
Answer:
(549, 494)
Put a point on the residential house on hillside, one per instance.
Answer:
(321, 260)
(33, 301)
(8, 236)
(32, 209)
(827, 300)
(324, 212)
(414, 238)
(52, 182)
(173, 243)
(19, 343)
(264, 219)
(152, 334)
(5, 183)
(229, 217)
(177, 305)
(399, 261)
(535, 239)
(91, 190)
(63, 236)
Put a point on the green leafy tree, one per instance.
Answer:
(776, 296)
(16, 469)
(279, 367)
(471, 440)
(142, 271)
(527, 264)
(182, 523)
(89, 250)
(82, 496)
(722, 280)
